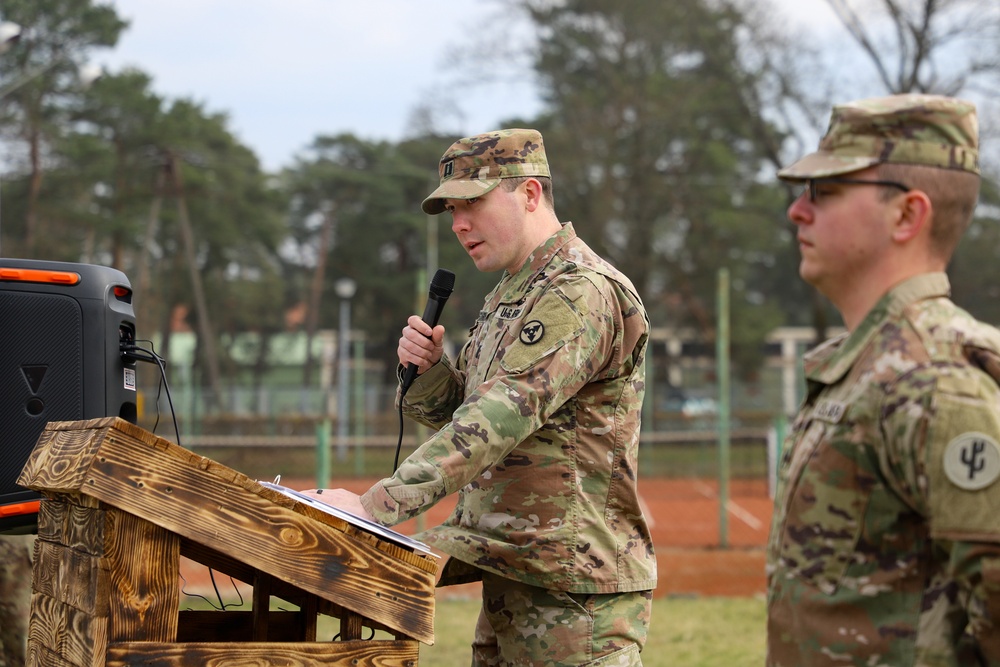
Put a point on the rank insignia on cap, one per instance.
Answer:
(972, 461)
(449, 169)
(532, 332)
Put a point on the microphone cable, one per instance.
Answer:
(399, 443)
(442, 285)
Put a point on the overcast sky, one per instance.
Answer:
(287, 70)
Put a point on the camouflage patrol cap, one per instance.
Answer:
(473, 166)
(925, 130)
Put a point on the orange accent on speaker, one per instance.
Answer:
(39, 276)
(17, 509)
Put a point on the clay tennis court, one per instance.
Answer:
(685, 524)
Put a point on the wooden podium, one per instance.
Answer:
(123, 505)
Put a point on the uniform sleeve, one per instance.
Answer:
(435, 394)
(539, 372)
(949, 428)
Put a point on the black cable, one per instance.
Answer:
(170, 401)
(131, 350)
(159, 392)
(222, 606)
(399, 443)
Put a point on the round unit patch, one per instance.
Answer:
(972, 461)
(532, 332)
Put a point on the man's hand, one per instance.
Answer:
(341, 499)
(420, 345)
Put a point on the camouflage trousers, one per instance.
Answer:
(15, 597)
(525, 626)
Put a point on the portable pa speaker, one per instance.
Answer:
(60, 360)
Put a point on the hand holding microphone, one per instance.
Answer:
(416, 348)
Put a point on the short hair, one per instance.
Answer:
(953, 194)
(511, 184)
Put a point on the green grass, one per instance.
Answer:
(694, 632)
(689, 631)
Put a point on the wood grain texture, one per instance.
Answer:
(312, 654)
(207, 503)
(74, 521)
(122, 506)
(59, 634)
(142, 563)
(55, 463)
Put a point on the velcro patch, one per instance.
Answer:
(552, 322)
(531, 333)
(972, 461)
(963, 466)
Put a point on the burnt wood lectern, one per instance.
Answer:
(121, 506)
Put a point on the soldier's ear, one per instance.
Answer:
(913, 212)
(533, 194)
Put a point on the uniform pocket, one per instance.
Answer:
(828, 490)
(626, 657)
(989, 637)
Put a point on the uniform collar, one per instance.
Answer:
(829, 362)
(512, 287)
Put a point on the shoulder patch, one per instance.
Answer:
(551, 323)
(532, 332)
(972, 461)
(963, 468)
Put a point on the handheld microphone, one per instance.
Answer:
(441, 286)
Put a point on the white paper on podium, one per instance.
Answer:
(353, 519)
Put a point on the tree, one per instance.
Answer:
(100, 180)
(654, 156)
(947, 47)
(781, 91)
(225, 224)
(59, 34)
(355, 213)
(927, 46)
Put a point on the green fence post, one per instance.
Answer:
(359, 408)
(323, 454)
(648, 422)
(774, 457)
(722, 364)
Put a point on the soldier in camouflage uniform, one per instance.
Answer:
(537, 425)
(885, 542)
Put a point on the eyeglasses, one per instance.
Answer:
(812, 185)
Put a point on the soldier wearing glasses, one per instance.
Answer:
(885, 543)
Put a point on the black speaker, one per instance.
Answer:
(60, 360)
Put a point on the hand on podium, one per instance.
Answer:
(341, 499)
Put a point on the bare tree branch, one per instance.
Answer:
(854, 26)
(924, 39)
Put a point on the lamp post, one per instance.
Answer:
(345, 288)
(9, 34)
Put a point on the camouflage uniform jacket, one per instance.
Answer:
(538, 432)
(885, 542)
